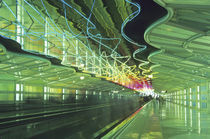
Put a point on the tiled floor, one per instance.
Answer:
(168, 121)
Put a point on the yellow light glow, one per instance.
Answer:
(82, 78)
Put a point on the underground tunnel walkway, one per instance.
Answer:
(76, 115)
(164, 120)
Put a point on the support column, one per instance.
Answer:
(20, 23)
(77, 53)
(46, 44)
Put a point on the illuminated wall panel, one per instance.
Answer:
(203, 95)
(197, 97)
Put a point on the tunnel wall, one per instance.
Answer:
(16, 92)
(191, 105)
(196, 97)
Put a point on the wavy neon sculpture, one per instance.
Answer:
(68, 45)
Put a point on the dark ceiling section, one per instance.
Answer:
(150, 12)
(113, 15)
(105, 16)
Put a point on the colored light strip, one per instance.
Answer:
(65, 41)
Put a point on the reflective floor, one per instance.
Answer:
(74, 116)
(165, 120)
(181, 122)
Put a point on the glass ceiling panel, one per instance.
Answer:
(165, 40)
(173, 31)
(190, 2)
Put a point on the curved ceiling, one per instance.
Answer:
(183, 37)
(88, 34)
(177, 43)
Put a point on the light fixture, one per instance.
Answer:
(150, 76)
(82, 78)
(82, 65)
(115, 91)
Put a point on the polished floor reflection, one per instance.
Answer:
(166, 120)
(178, 121)
(79, 115)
